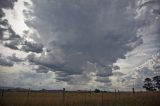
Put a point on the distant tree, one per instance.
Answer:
(156, 81)
(148, 85)
(97, 91)
(43, 89)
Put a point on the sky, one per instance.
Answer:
(79, 44)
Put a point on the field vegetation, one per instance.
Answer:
(14, 98)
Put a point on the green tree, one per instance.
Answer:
(97, 91)
(156, 81)
(148, 85)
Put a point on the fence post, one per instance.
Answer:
(2, 92)
(28, 92)
(85, 97)
(27, 99)
(63, 96)
(102, 98)
(133, 90)
(118, 92)
(115, 92)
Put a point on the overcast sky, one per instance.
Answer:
(79, 44)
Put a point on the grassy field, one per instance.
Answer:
(79, 99)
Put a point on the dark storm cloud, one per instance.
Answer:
(87, 30)
(5, 62)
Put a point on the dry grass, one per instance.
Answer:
(79, 99)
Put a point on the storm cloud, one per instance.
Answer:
(77, 32)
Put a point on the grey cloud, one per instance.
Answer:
(33, 47)
(13, 40)
(12, 34)
(148, 22)
(103, 79)
(82, 79)
(148, 70)
(7, 3)
(25, 45)
(115, 67)
(41, 69)
(4, 4)
(9, 60)
(104, 71)
(118, 74)
(28, 79)
(156, 11)
(12, 44)
(150, 2)
(51, 62)
(141, 75)
(157, 67)
(14, 58)
(65, 73)
(81, 31)
(5, 62)
(6, 28)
